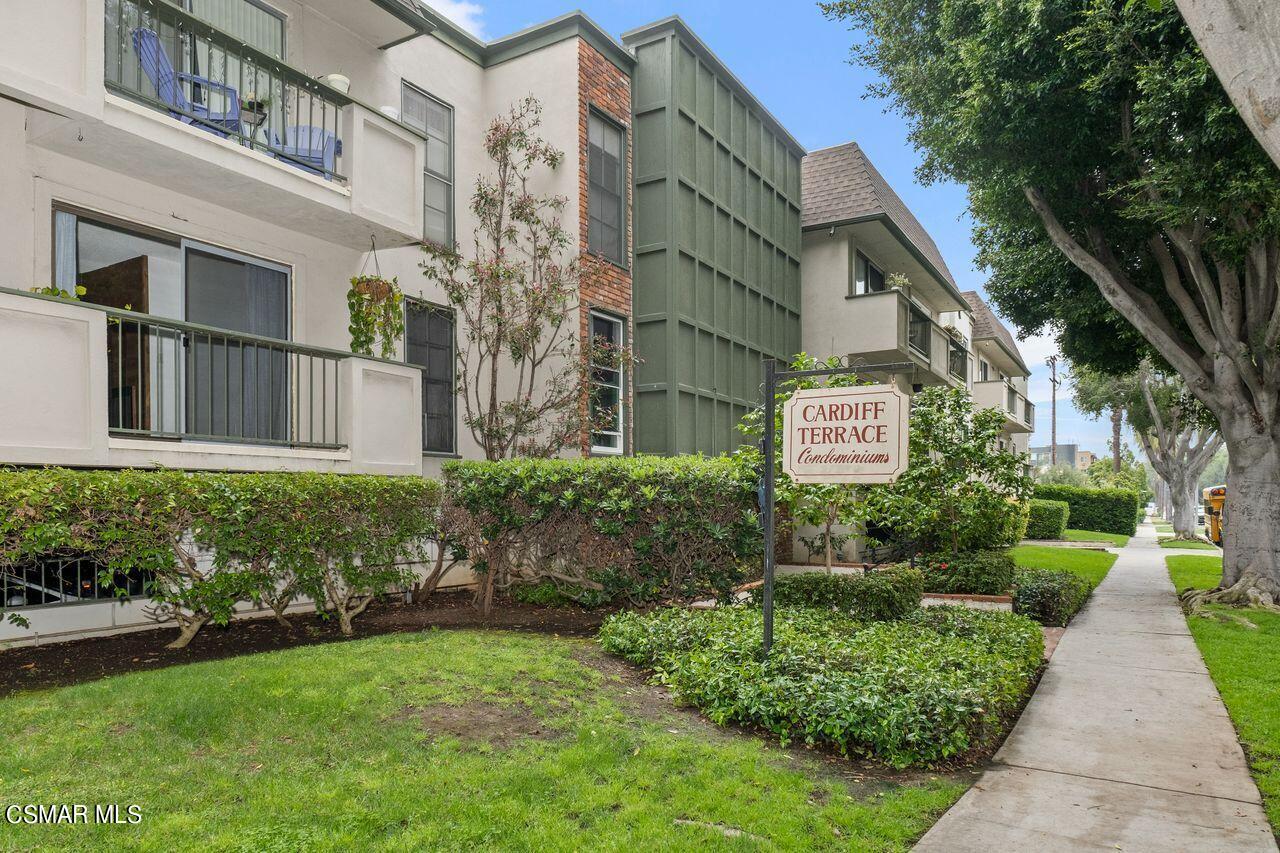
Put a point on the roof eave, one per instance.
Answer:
(950, 289)
(1013, 354)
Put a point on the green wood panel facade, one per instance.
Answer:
(716, 284)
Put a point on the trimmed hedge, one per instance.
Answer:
(1104, 510)
(969, 573)
(1050, 597)
(636, 529)
(874, 596)
(1048, 519)
(206, 542)
(922, 690)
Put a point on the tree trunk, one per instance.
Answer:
(1117, 422)
(1251, 517)
(1241, 40)
(1183, 498)
(188, 627)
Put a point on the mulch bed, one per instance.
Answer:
(60, 664)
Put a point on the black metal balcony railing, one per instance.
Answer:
(919, 330)
(176, 63)
(175, 380)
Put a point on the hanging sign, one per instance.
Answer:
(845, 435)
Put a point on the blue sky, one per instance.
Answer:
(795, 62)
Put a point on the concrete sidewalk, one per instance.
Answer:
(1125, 745)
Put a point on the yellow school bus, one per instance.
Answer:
(1215, 501)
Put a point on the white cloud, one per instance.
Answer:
(464, 13)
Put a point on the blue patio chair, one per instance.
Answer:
(311, 149)
(168, 85)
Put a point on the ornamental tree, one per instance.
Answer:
(521, 377)
(960, 492)
(1120, 200)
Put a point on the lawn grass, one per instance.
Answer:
(1090, 565)
(348, 746)
(1243, 662)
(1188, 544)
(1117, 539)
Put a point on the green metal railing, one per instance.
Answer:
(174, 62)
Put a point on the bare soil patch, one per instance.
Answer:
(61, 664)
(500, 726)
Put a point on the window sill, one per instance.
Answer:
(436, 454)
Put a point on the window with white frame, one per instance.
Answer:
(867, 277)
(606, 177)
(606, 353)
(984, 371)
(434, 118)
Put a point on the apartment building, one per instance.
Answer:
(213, 173)
(1067, 454)
(874, 287)
(717, 213)
(1000, 376)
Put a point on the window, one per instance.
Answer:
(254, 23)
(606, 383)
(867, 277)
(428, 339)
(434, 118)
(606, 174)
(984, 371)
(162, 381)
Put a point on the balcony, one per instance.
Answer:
(1001, 394)
(121, 389)
(148, 90)
(888, 327)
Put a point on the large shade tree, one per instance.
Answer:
(1176, 434)
(1241, 39)
(1120, 199)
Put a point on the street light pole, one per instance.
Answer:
(1052, 361)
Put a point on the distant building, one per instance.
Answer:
(1068, 454)
(1084, 459)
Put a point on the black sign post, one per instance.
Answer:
(772, 376)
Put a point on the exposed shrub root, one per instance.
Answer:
(1251, 590)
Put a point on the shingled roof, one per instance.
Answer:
(840, 184)
(987, 325)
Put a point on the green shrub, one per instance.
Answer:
(917, 691)
(1050, 597)
(542, 594)
(969, 573)
(211, 541)
(874, 596)
(1104, 510)
(636, 529)
(1048, 519)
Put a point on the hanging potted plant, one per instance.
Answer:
(376, 306)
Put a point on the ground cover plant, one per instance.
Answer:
(632, 530)
(1075, 535)
(431, 740)
(968, 573)
(1051, 597)
(926, 689)
(872, 596)
(1243, 658)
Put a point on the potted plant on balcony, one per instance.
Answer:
(253, 109)
(376, 307)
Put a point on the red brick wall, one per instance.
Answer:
(605, 286)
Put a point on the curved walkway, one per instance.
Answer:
(1126, 744)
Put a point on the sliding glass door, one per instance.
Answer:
(237, 388)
